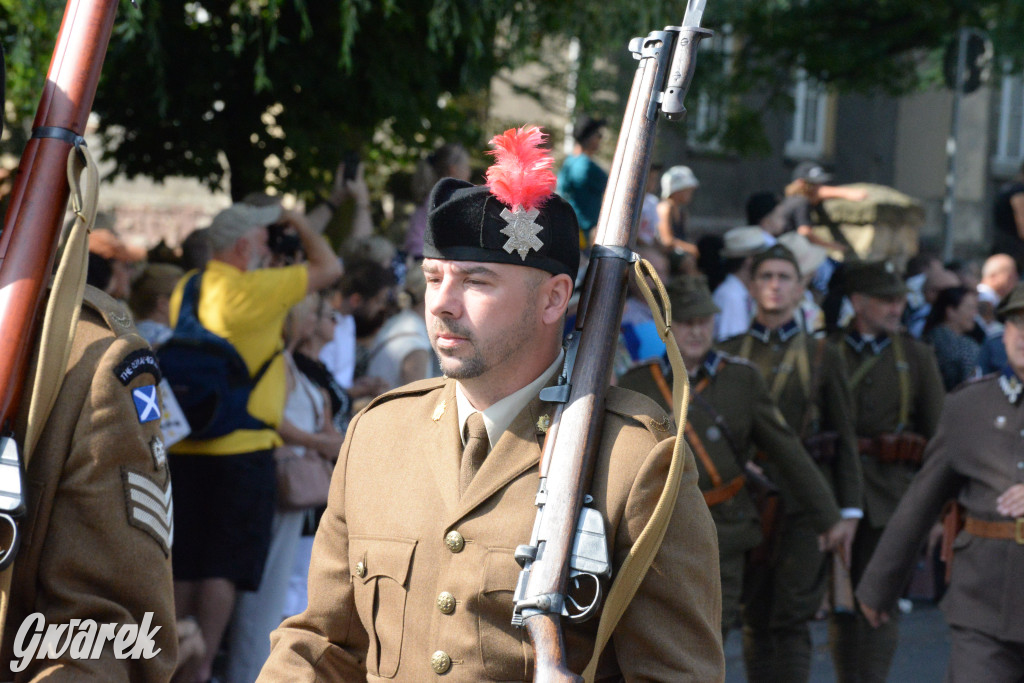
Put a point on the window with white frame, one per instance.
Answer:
(708, 117)
(807, 136)
(1010, 142)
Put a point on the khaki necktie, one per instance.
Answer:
(477, 446)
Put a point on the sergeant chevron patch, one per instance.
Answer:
(150, 507)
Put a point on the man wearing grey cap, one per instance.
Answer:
(224, 486)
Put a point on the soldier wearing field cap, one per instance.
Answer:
(417, 584)
(898, 396)
(976, 457)
(730, 411)
(806, 381)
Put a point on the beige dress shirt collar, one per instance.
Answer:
(499, 416)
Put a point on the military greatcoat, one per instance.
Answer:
(411, 582)
(98, 529)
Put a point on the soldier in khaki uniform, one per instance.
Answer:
(977, 457)
(730, 411)
(98, 531)
(806, 381)
(413, 570)
(898, 396)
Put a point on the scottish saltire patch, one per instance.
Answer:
(150, 507)
(146, 404)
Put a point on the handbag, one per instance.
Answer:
(303, 481)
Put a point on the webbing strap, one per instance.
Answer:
(636, 564)
(903, 374)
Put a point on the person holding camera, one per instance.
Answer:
(224, 486)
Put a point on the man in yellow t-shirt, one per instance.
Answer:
(224, 487)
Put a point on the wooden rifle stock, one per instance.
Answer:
(571, 446)
(32, 226)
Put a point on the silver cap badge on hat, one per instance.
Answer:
(522, 231)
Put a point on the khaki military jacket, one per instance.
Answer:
(410, 582)
(735, 391)
(825, 398)
(877, 409)
(977, 453)
(97, 535)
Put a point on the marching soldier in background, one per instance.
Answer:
(807, 383)
(898, 397)
(977, 457)
(730, 411)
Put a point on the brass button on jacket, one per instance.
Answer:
(361, 570)
(455, 541)
(440, 662)
(446, 602)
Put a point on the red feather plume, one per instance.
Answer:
(521, 174)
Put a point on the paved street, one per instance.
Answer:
(920, 658)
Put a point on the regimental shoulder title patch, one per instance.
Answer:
(136, 363)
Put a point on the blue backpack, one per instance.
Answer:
(207, 375)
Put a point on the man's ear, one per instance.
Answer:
(555, 294)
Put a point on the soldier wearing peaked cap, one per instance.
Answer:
(418, 585)
(807, 383)
(730, 411)
(99, 525)
(898, 395)
(977, 457)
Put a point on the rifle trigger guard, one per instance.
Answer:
(624, 253)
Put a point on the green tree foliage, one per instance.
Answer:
(273, 91)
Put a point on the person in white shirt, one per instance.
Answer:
(733, 296)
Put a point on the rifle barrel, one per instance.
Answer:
(32, 226)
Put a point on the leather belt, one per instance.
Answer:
(1010, 531)
(725, 492)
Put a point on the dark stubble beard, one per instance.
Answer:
(499, 349)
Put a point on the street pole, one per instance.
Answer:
(949, 205)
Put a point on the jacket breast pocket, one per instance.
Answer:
(503, 647)
(380, 570)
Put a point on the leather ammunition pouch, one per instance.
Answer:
(905, 447)
(823, 447)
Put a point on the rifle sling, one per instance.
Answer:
(634, 568)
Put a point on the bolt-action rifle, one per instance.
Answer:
(28, 243)
(566, 563)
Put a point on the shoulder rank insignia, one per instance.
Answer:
(150, 507)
